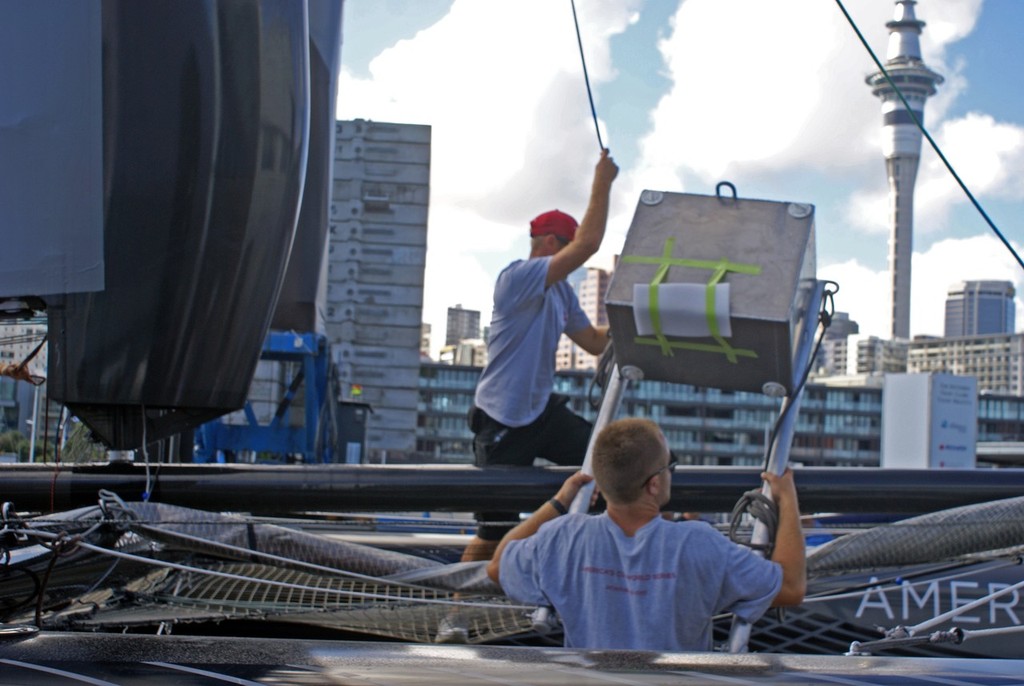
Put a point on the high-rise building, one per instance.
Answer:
(976, 308)
(425, 341)
(901, 144)
(995, 360)
(377, 255)
(880, 356)
(471, 352)
(833, 356)
(590, 285)
(462, 324)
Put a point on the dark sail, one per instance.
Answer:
(206, 132)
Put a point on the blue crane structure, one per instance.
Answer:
(332, 431)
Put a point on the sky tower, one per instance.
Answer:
(901, 144)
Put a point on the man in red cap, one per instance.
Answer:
(516, 417)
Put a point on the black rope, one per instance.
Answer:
(754, 502)
(586, 78)
(601, 374)
(931, 142)
(762, 508)
(59, 548)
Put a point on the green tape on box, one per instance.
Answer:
(718, 270)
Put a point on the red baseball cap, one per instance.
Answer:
(554, 222)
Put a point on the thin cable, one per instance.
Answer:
(58, 437)
(825, 319)
(145, 457)
(924, 131)
(586, 78)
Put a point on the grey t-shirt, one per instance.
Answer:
(657, 590)
(527, 321)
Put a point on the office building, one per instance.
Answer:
(976, 308)
(994, 360)
(376, 260)
(590, 285)
(901, 145)
(471, 352)
(461, 324)
(425, 342)
(880, 356)
(834, 354)
(704, 426)
(837, 425)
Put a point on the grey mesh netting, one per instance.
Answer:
(402, 612)
(278, 573)
(219, 567)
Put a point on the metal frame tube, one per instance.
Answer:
(618, 382)
(739, 634)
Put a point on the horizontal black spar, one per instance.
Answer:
(276, 489)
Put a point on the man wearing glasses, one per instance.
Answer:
(515, 416)
(630, 579)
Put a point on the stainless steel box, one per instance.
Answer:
(756, 255)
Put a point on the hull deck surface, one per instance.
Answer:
(62, 658)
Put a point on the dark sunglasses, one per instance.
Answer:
(671, 467)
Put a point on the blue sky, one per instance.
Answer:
(767, 95)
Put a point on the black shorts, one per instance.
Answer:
(558, 434)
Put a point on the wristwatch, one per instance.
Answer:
(559, 507)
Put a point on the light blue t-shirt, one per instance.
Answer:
(657, 590)
(527, 321)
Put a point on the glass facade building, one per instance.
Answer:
(836, 425)
(976, 308)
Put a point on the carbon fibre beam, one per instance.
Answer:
(283, 489)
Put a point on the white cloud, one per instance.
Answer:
(868, 209)
(763, 92)
(757, 91)
(950, 261)
(864, 292)
(460, 281)
(752, 102)
(946, 21)
(500, 84)
(987, 155)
